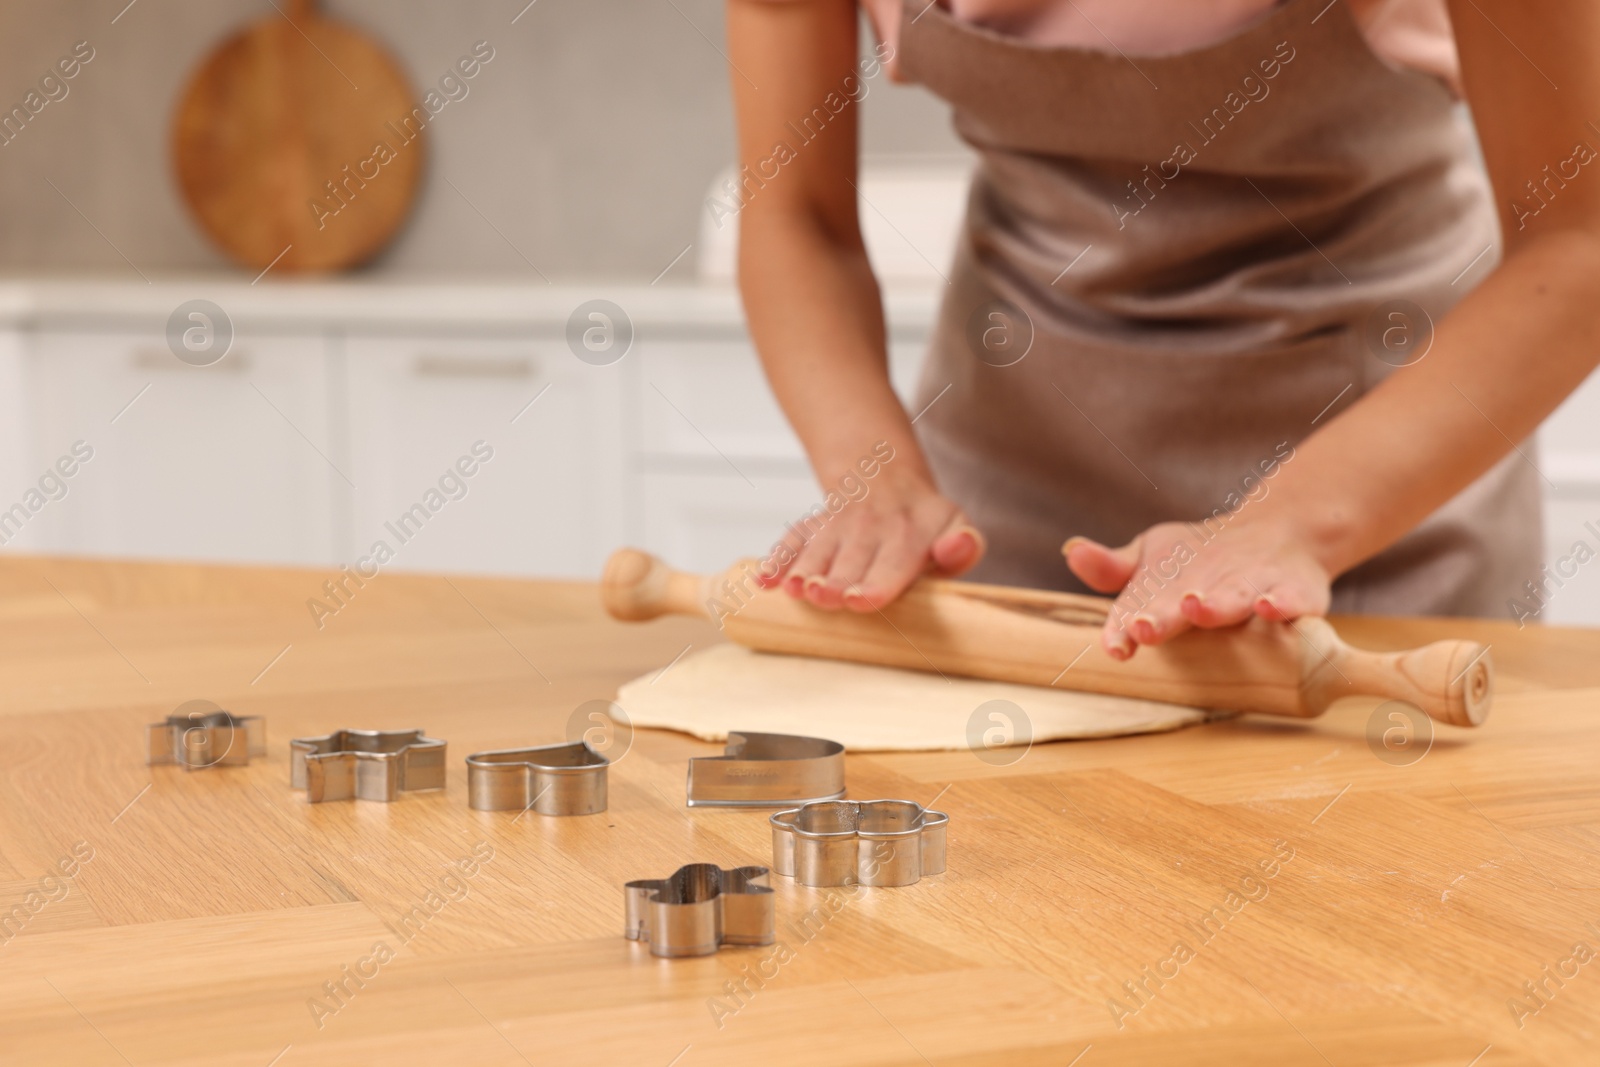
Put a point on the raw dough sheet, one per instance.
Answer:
(866, 708)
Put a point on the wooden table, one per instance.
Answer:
(1251, 891)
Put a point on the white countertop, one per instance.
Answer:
(389, 305)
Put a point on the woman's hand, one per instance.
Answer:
(816, 313)
(1171, 577)
(867, 553)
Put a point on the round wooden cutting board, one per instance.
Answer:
(295, 144)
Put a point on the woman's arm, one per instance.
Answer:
(1503, 359)
(814, 307)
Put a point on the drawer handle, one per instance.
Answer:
(235, 362)
(473, 367)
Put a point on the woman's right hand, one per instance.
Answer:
(868, 552)
(816, 313)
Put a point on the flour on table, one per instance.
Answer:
(867, 708)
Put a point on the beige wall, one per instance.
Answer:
(590, 139)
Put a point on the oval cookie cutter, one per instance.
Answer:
(858, 842)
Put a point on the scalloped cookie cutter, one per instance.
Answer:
(214, 739)
(858, 842)
(767, 771)
(699, 909)
(365, 764)
(565, 779)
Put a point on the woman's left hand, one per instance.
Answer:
(1176, 575)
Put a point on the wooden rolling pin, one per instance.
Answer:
(1043, 638)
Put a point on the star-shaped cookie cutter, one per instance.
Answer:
(566, 779)
(767, 771)
(365, 764)
(209, 738)
(858, 842)
(699, 909)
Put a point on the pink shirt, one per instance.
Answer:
(1407, 33)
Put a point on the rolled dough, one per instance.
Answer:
(867, 709)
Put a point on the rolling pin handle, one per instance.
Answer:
(637, 586)
(1452, 681)
(1470, 689)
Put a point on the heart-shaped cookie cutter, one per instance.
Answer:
(564, 779)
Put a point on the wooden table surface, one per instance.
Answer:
(1360, 911)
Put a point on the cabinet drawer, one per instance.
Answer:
(547, 502)
(699, 398)
(1576, 601)
(228, 462)
(1569, 447)
(705, 522)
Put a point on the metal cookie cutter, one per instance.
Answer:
(213, 739)
(365, 764)
(567, 779)
(865, 842)
(699, 909)
(768, 771)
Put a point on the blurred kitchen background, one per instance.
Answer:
(581, 165)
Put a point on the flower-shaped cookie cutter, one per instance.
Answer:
(858, 842)
(566, 779)
(699, 909)
(365, 764)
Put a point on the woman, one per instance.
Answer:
(1231, 307)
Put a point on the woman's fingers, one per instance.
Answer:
(1169, 585)
(1115, 639)
(868, 554)
(849, 567)
(780, 560)
(1224, 603)
(958, 549)
(807, 571)
(1287, 600)
(901, 559)
(1160, 620)
(1105, 570)
(1135, 621)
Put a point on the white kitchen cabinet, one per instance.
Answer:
(16, 447)
(702, 397)
(907, 350)
(1569, 457)
(698, 397)
(225, 462)
(551, 499)
(342, 404)
(704, 520)
(1572, 587)
(717, 470)
(719, 473)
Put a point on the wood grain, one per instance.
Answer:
(1418, 900)
(275, 144)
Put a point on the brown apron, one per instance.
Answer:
(1250, 210)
